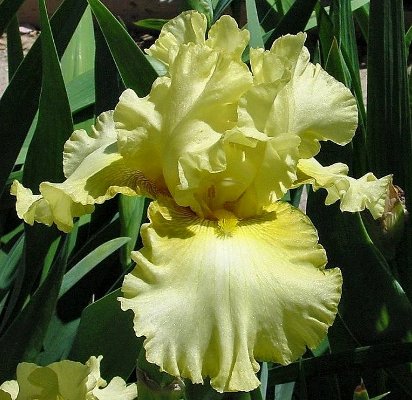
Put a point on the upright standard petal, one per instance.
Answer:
(354, 194)
(225, 35)
(212, 297)
(187, 27)
(204, 89)
(293, 96)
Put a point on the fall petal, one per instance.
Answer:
(212, 297)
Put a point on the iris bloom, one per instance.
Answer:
(65, 380)
(228, 273)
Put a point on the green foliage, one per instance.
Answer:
(69, 285)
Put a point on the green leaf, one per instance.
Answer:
(362, 19)
(14, 47)
(58, 340)
(201, 392)
(284, 391)
(80, 91)
(389, 133)
(220, 8)
(108, 84)
(9, 266)
(389, 121)
(203, 6)
(26, 82)
(107, 330)
(84, 266)
(253, 25)
(23, 339)
(136, 72)
(8, 9)
(151, 23)
(132, 214)
(54, 126)
(79, 55)
(362, 358)
(293, 22)
(408, 41)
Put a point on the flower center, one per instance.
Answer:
(226, 222)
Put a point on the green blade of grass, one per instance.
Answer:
(136, 72)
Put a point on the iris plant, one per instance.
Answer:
(229, 273)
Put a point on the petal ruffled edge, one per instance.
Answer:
(187, 27)
(211, 296)
(354, 194)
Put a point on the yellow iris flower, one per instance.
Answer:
(228, 273)
(65, 380)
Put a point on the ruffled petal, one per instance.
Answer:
(138, 127)
(81, 144)
(292, 96)
(116, 390)
(99, 176)
(354, 194)
(225, 35)
(188, 27)
(317, 107)
(211, 297)
(201, 106)
(274, 165)
(66, 379)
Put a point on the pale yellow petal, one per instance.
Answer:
(116, 390)
(9, 390)
(316, 107)
(354, 194)
(292, 96)
(80, 144)
(138, 127)
(64, 379)
(188, 27)
(274, 165)
(99, 176)
(225, 35)
(201, 106)
(212, 297)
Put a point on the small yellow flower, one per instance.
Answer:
(65, 380)
(228, 273)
